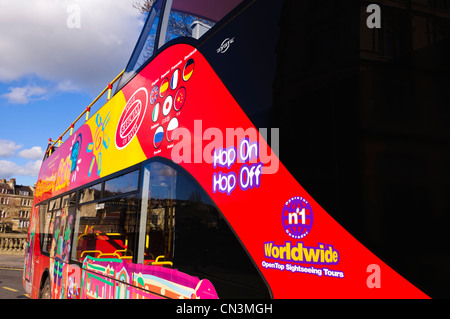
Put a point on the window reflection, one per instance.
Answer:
(106, 229)
(69, 200)
(186, 19)
(91, 193)
(145, 46)
(183, 24)
(185, 231)
(122, 184)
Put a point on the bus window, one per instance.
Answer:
(106, 229)
(123, 184)
(91, 193)
(62, 231)
(185, 19)
(69, 200)
(47, 223)
(160, 215)
(145, 46)
(194, 18)
(44, 220)
(184, 229)
(54, 204)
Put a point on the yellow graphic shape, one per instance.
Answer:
(103, 127)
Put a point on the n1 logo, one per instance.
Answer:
(293, 216)
(297, 217)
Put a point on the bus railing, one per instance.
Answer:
(108, 88)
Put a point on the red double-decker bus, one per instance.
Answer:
(199, 177)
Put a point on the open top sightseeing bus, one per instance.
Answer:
(210, 172)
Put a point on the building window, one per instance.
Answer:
(393, 39)
(440, 4)
(24, 214)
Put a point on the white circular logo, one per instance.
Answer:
(167, 105)
(131, 119)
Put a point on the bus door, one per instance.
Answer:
(31, 253)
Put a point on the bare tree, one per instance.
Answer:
(145, 6)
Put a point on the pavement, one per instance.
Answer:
(11, 261)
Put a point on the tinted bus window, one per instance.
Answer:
(62, 233)
(69, 200)
(43, 221)
(91, 193)
(185, 24)
(122, 184)
(47, 224)
(54, 204)
(145, 46)
(160, 213)
(106, 229)
(185, 228)
(194, 18)
(186, 19)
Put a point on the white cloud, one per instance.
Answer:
(26, 94)
(66, 86)
(37, 38)
(8, 148)
(14, 167)
(34, 153)
(10, 169)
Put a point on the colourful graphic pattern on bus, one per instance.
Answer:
(100, 278)
(115, 279)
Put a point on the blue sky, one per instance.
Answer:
(55, 57)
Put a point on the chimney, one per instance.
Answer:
(12, 183)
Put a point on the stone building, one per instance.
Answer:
(15, 206)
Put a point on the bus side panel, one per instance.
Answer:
(58, 175)
(34, 262)
(280, 224)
